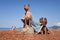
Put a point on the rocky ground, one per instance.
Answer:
(17, 35)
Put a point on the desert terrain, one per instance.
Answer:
(17, 35)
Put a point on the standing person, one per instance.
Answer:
(27, 17)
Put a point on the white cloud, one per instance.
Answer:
(58, 23)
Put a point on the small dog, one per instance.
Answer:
(13, 28)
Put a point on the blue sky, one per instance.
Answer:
(11, 11)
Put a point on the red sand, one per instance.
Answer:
(17, 35)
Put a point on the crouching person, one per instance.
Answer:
(43, 23)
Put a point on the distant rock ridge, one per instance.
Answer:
(54, 27)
